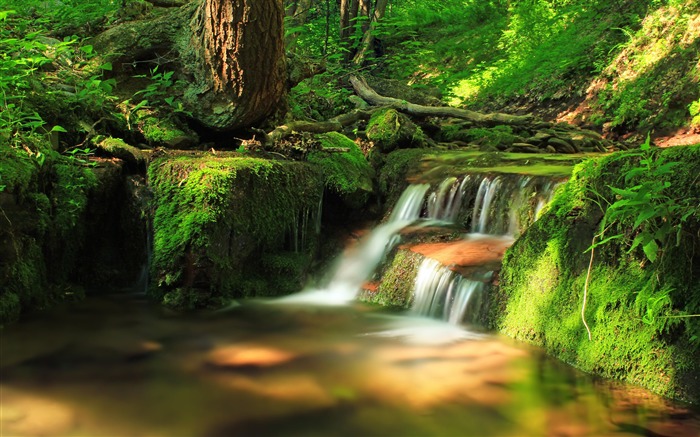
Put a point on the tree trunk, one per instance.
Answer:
(240, 49)
(368, 35)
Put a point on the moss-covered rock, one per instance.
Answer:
(219, 218)
(164, 131)
(389, 130)
(397, 278)
(135, 157)
(637, 310)
(41, 201)
(347, 174)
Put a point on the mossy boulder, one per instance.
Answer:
(389, 130)
(346, 173)
(637, 310)
(396, 280)
(221, 222)
(45, 210)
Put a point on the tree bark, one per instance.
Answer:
(368, 94)
(240, 49)
(229, 53)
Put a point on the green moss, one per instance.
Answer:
(216, 217)
(159, 130)
(120, 149)
(500, 137)
(18, 171)
(346, 173)
(9, 307)
(397, 279)
(389, 130)
(544, 275)
(396, 168)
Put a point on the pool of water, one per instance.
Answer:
(117, 366)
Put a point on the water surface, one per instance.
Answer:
(117, 366)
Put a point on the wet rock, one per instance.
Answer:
(390, 130)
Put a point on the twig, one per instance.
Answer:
(585, 289)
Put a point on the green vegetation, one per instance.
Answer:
(639, 312)
(216, 217)
(390, 130)
(347, 174)
(397, 280)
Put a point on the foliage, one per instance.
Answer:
(346, 174)
(223, 212)
(640, 312)
(643, 201)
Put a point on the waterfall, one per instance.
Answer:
(443, 294)
(357, 265)
(494, 204)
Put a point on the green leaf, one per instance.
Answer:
(87, 49)
(665, 168)
(106, 66)
(651, 250)
(58, 128)
(644, 216)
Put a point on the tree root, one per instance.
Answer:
(368, 94)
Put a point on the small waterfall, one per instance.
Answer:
(443, 294)
(488, 190)
(305, 221)
(357, 265)
(445, 203)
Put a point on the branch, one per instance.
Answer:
(317, 127)
(367, 93)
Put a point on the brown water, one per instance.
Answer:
(115, 366)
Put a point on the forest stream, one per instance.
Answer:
(318, 362)
(120, 366)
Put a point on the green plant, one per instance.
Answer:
(646, 216)
(694, 109)
(655, 216)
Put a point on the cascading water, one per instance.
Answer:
(358, 264)
(441, 293)
(499, 204)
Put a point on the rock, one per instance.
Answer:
(26, 414)
(525, 147)
(539, 138)
(561, 145)
(389, 130)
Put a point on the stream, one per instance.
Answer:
(319, 362)
(120, 366)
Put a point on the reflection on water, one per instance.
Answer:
(117, 367)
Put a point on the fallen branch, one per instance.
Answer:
(335, 124)
(368, 94)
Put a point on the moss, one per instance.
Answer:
(120, 149)
(544, 275)
(216, 216)
(347, 173)
(389, 130)
(18, 171)
(395, 170)
(9, 307)
(500, 137)
(158, 131)
(397, 279)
